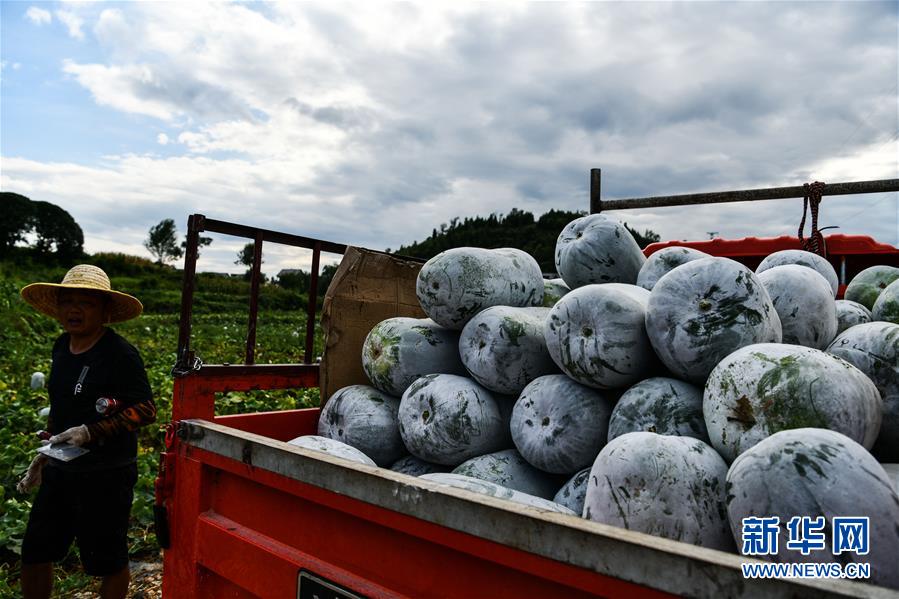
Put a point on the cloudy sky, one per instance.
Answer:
(373, 123)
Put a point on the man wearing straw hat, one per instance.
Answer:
(88, 498)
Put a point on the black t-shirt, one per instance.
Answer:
(111, 368)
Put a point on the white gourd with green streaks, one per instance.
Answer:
(399, 350)
(573, 492)
(503, 348)
(596, 334)
(597, 249)
(705, 309)
(886, 308)
(447, 419)
(660, 405)
(866, 286)
(664, 261)
(804, 303)
(553, 291)
(873, 348)
(476, 485)
(508, 469)
(670, 487)
(766, 388)
(365, 418)
(559, 425)
(802, 258)
(850, 313)
(814, 473)
(332, 448)
(456, 284)
(414, 466)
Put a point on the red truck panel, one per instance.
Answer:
(247, 512)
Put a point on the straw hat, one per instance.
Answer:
(43, 296)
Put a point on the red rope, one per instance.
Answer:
(815, 242)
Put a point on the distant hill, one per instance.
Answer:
(516, 229)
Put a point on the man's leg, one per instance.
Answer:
(49, 534)
(115, 586)
(103, 530)
(37, 580)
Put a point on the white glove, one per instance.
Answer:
(77, 436)
(32, 478)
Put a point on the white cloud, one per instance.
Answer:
(134, 88)
(72, 21)
(372, 124)
(38, 16)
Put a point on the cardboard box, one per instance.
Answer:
(367, 288)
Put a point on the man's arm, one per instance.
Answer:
(133, 390)
(127, 420)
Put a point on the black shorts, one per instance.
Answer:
(92, 507)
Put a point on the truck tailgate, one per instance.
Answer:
(261, 511)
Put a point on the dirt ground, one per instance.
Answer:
(146, 580)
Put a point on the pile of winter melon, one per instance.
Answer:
(674, 395)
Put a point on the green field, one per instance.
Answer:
(219, 330)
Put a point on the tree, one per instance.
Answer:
(17, 221)
(202, 241)
(162, 241)
(324, 278)
(245, 255)
(645, 238)
(300, 280)
(57, 231)
(516, 229)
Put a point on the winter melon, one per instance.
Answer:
(503, 348)
(802, 258)
(866, 286)
(766, 388)
(849, 314)
(399, 350)
(559, 425)
(332, 447)
(671, 487)
(364, 418)
(873, 348)
(597, 249)
(447, 419)
(664, 261)
(886, 308)
(823, 474)
(508, 469)
(660, 405)
(456, 284)
(705, 309)
(597, 335)
(804, 303)
(484, 487)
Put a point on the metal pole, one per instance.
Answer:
(595, 189)
(312, 304)
(748, 195)
(254, 298)
(185, 355)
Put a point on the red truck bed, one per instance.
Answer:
(254, 514)
(251, 516)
